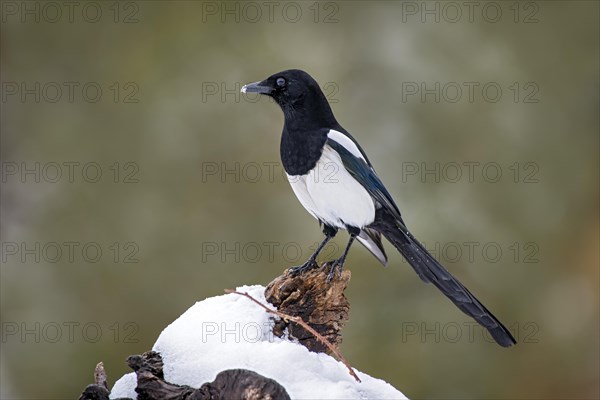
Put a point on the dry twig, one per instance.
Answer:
(303, 324)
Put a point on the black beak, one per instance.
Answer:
(257, 87)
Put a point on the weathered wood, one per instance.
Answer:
(319, 303)
(100, 377)
(243, 384)
(94, 392)
(230, 384)
(297, 320)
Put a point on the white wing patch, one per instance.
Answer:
(331, 194)
(346, 142)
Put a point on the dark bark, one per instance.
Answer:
(319, 303)
(229, 384)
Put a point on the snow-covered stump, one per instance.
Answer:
(239, 346)
(229, 384)
(320, 304)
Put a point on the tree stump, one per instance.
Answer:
(229, 384)
(319, 303)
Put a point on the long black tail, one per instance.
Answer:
(431, 271)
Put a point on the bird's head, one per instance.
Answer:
(295, 91)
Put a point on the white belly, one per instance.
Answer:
(332, 195)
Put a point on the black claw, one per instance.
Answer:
(308, 265)
(340, 268)
(333, 265)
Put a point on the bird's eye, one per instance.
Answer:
(280, 82)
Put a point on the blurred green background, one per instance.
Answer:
(192, 196)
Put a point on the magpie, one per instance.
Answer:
(336, 183)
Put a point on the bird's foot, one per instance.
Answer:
(308, 265)
(334, 265)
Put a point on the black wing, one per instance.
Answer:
(389, 222)
(363, 172)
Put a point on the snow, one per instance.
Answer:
(230, 331)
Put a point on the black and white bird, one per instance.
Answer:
(336, 183)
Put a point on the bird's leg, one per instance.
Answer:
(339, 263)
(311, 263)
